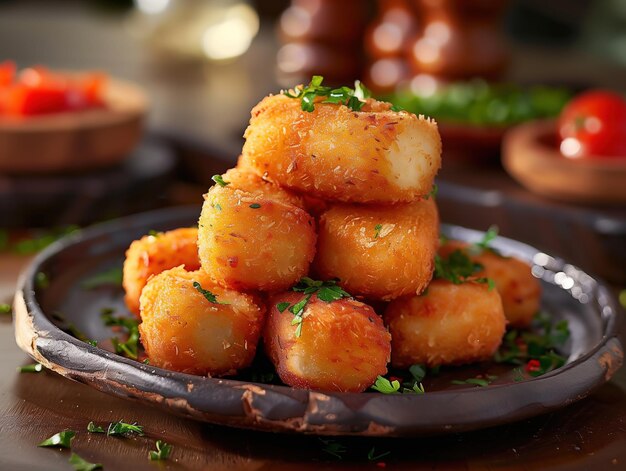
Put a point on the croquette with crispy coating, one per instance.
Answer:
(210, 332)
(447, 325)
(152, 254)
(252, 242)
(337, 154)
(343, 344)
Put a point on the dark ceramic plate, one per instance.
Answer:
(594, 350)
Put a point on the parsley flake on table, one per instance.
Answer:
(80, 464)
(207, 294)
(334, 448)
(122, 428)
(327, 291)
(372, 456)
(61, 440)
(220, 180)
(353, 98)
(93, 428)
(5, 308)
(32, 368)
(163, 451)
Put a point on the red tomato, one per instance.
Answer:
(22, 100)
(7, 73)
(594, 124)
(37, 90)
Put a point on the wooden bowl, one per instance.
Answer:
(75, 141)
(531, 156)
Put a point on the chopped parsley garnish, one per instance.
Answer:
(32, 368)
(482, 382)
(282, 306)
(70, 328)
(61, 440)
(41, 280)
(432, 193)
(255, 206)
(393, 386)
(163, 451)
(262, 377)
(372, 456)
(418, 372)
(484, 244)
(207, 294)
(93, 428)
(80, 464)
(219, 180)
(327, 291)
(353, 98)
(130, 347)
(154, 233)
(334, 448)
(536, 351)
(40, 242)
(456, 268)
(110, 277)
(93, 343)
(5, 308)
(377, 229)
(122, 428)
(383, 385)
(489, 236)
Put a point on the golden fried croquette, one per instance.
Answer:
(184, 331)
(343, 344)
(337, 154)
(447, 325)
(380, 252)
(249, 241)
(246, 180)
(152, 254)
(519, 289)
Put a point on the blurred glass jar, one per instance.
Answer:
(388, 43)
(217, 30)
(460, 39)
(321, 37)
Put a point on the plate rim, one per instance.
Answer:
(281, 408)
